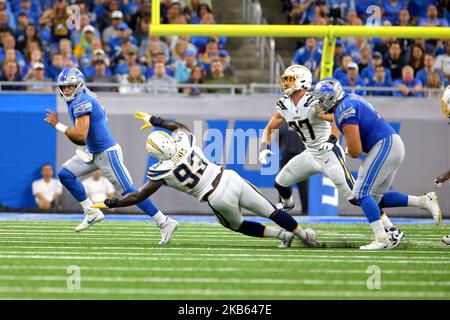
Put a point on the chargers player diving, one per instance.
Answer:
(323, 154)
(365, 130)
(98, 150)
(445, 108)
(183, 166)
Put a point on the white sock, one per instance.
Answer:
(413, 201)
(270, 232)
(378, 230)
(386, 222)
(86, 204)
(287, 201)
(159, 217)
(299, 232)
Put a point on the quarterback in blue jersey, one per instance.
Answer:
(97, 150)
(366, 131)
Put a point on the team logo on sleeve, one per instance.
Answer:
(82, 108)
(346, 114)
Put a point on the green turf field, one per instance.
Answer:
(122, 260)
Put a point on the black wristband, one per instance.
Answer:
(156, 121)
(332, 139)
(263, 146)
(111, 203)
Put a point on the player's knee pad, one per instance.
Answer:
(66, 176)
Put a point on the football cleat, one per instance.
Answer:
(309, 238)
(446, 240)
(167, 229)
(380, 244)
(282, 206)
(429, 201)
(286, 242)
(395, 235)
(91, 216)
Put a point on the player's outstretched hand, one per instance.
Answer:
(437, 184)
(51, 117)
(263, 156)
(143, 117)
(100, 205)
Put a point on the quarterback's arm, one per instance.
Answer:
(78, 134)
(134, 197)
(353, 140)
(274, 123)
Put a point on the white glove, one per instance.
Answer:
(328, 146)
(263, 156)
(84, 154)
(437, 185)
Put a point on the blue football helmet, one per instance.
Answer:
(71, 77)
(328, 92)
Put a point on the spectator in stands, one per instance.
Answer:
(84, 46)
(419, 8)
(22, 22)
(101, 76)
(105, 19)
(98, 54)
(47, 190)
(183, 68)
(211, 54)
(9, 42)
(408, 86)
(341, 72)
(38, 75)
(87, 57)
(434, 82)
(416, 58)
(31, 34)
(404, 18)
(197, 77)
(141, 32)
(365, 56)
(5, 21)
(148, 46)
(98, 188)
(432, 19)
(160, 82)
(309, 56)
(202, 9)
(299, 11)
(218, 77)
(123, 33)
(30, 9)
(35, 57)
(392, 10)
(442, 62)
(11, 73)
(76, 35)
(353, 79)
(110, 32)
(225, 58)
(160, 57)
(179, 51)
(191, 10)
(56, 67)
(55, 19)
(428, 68)
(368, 73)
(135, 76)
(174, 11)
(201, 41)
(395, 61)
(380, 79)
(123, 68)
(65, 49)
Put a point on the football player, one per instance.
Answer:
(365, 130)
(98, 150)
(445, 108)
(323, 154)
(183, 166)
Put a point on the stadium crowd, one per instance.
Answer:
(108, 41)
(406, 64)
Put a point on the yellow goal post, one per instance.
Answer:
(329, 32)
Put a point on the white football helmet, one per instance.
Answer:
(445, 102)
(161, 145)
(299, 78)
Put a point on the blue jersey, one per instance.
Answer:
(353, 109)
(99, 137)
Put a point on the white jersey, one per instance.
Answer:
(302, 118)
(189, 170)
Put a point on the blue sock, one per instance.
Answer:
(147, 205)
(394, 199)
(284, 220)
(70, 181)
(285, 192)
(370, 208)
(252, 229)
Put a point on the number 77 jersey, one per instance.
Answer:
(188, 170)
(312, 130)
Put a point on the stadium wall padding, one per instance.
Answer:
(27, 142)
(418, 120)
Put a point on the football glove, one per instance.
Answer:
(100, 205)
(108, 203)
(437, 185)
(263, 156)
(143, 117)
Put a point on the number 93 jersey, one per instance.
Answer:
(188, 170)
(303, 119)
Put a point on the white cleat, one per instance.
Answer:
(446, 240)
(286, 242)
(309, 238)
(380, 244)
(167, 229)
(285, 207)
(430, 202)
(395, 235)
(91, 216)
